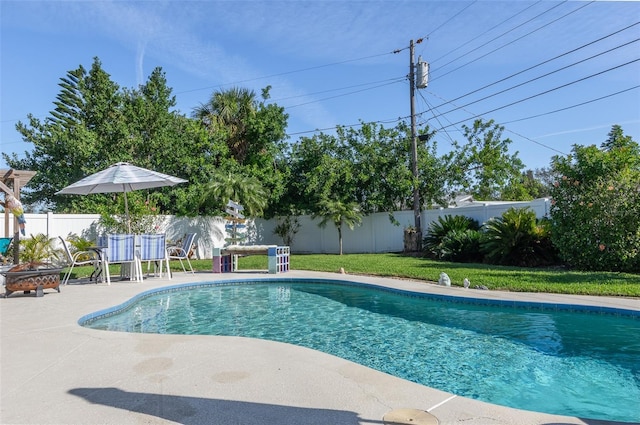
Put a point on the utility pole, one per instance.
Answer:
(414, 138)
(414, 149)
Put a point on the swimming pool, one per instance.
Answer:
(556, 361)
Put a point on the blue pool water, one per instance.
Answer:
(555, 361)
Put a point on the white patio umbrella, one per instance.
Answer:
(120, 177)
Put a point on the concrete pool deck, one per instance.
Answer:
(53, 371)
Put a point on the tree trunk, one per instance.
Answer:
(412, 240)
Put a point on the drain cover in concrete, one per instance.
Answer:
(409, 417)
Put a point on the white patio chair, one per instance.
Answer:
(182, 252)
(153, 248)
(79, 258)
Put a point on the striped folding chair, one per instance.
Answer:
(121, 250)
(102, 241)
(153, 248)
(182, 252)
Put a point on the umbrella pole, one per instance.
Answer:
(126, 212)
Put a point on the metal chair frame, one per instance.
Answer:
(182, 252)
(74, 259)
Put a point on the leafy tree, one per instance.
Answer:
(382, 163)
(171, 143)
(541, 183)
(596, 205)
(266, 131)
(320, 170)
(517, 239)
(200, 157)
(74, 141)
(381, 173)
(144, 216)
(483, 166)
(435, 172)
(95, 124)
(369, 165)
(339, 213)
(532, 184)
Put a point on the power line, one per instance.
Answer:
(513, 75)
(453, 17)
(338, 89)
(346, 94)
(541, 76)
(573, 106)
(513, 41)
(520, 135)
(502, 107)
(391, 120)
(436, 117)
(457, 14)
(548, 91)
(485, 32)
(544, 62)
(501, 35)
(287, 72)
(535, 141)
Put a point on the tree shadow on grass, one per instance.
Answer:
(198, 410)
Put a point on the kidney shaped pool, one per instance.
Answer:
(556, 360)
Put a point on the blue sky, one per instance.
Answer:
(332, 63)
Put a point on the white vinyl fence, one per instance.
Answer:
(376, 234)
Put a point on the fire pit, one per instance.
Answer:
(30, 280)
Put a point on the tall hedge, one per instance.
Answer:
(595, 208)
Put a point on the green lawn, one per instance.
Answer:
(493, 277)
(515, 279)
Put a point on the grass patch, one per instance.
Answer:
(516, 279)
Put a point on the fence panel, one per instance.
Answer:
(376, 234)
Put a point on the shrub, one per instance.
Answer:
(438, 231)
(516, 239)
(287, 228)
(596, 205)
(461, 246)
(598, 227)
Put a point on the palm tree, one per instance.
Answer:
(229, 111)
(339, 213)
(243, 189)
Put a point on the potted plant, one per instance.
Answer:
(36, 270)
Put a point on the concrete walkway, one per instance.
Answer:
(54, 371)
